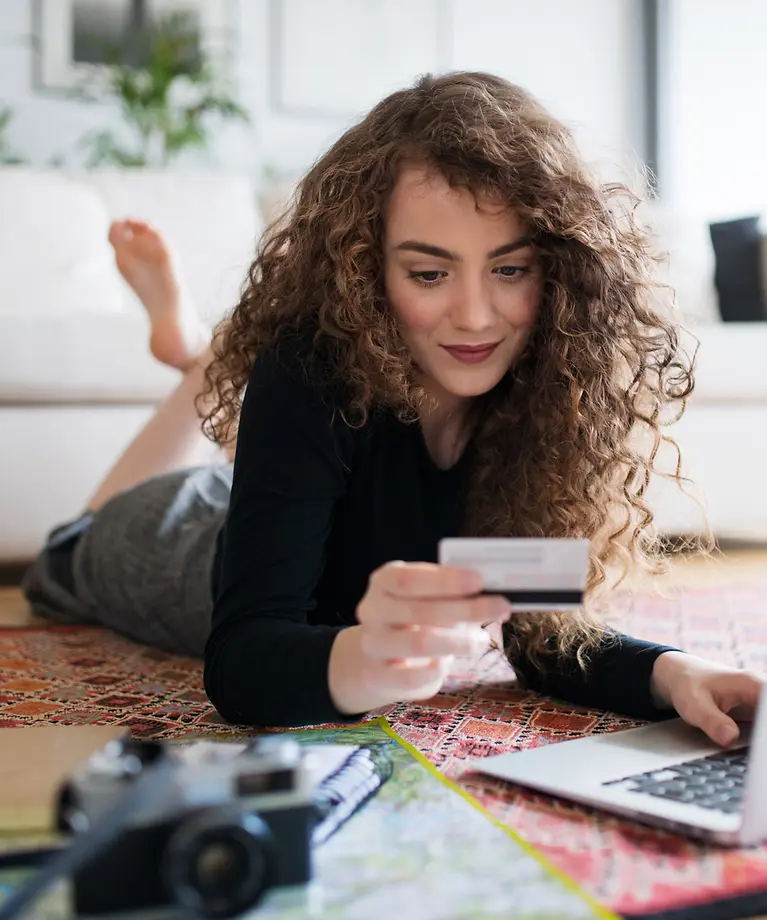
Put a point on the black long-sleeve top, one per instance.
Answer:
(316, 507)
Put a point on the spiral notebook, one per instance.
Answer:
(346, 784)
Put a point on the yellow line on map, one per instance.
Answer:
(527, 847)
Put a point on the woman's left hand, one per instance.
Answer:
(707, 695)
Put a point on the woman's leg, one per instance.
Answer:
(172, 438)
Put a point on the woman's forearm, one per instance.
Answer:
(619, 677)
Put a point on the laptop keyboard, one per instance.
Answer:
(714, 782)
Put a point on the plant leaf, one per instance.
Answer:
(169, 52)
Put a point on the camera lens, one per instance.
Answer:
(145, 752)
(220, 862)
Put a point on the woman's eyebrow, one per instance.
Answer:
(438, 252)
(504, 250)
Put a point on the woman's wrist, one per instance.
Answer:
(346, 675)
(666, 667)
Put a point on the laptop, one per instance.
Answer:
(667, 774)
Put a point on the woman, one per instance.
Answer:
(450, 333)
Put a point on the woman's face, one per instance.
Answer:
(464, 283)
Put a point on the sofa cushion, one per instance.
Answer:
(60, 455)
(54, 255)
(85, 357)
(738, 277)
(209, 220)
(686, 263)
(731, 366)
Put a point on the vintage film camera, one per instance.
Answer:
(227, 825)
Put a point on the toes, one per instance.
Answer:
(119, 232)
(123, 231)
(141, 227)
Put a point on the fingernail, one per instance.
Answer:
(726, 734)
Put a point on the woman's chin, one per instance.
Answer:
(469, 385)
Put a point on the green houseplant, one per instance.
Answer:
(168, 96)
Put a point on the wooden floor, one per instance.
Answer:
(13, 609)
(733, 565)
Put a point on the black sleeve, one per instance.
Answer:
(265, 664)
(617, 677)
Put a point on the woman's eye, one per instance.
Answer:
(509, 271)
(427, 278)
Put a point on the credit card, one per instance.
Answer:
(533, 573)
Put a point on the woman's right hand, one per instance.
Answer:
(414, 618)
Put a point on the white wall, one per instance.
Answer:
(580, 58)
(716, 150)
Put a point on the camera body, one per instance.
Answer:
(230, 822)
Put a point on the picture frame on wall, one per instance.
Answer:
(320, 67)
(75, 39)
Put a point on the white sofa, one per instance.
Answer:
(723, 439)
(77, 381)
(723, 433)
(76, 378)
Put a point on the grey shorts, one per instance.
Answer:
(142, 565)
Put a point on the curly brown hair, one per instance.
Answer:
(560, 451)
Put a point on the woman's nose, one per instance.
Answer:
(472, 310)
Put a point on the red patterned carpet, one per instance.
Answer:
(77, 675)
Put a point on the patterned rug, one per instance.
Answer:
(84, 675)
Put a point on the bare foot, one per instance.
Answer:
(177, 335)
